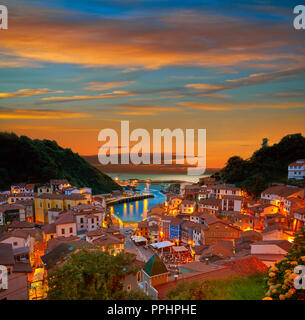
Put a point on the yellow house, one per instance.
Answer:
(44, 189)
(45, 202)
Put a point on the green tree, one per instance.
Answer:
(254, 185)
(25, 160)
(280, 279)
(91, 275)
(266, 165)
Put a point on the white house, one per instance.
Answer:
(218, 191)
(88, 217)
(296, 170)
(278, 195)
(231, 203)
(270, 251)
(65, 225)
(188, 206)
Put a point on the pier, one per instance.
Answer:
(124, 199)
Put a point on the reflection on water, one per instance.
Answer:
(137, 211)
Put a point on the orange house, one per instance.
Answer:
(220, 230)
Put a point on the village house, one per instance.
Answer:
(175, 229)
(196, 217)
(187, 232)
(131, 281)
(259, 210)
(210, 206)
(246, 221)
(22, 188)
(110, 243)
(154, 233)
(270, 219)
(277, 195)
(153, 273)
(191, 192)
(66, 225)
(299, 221)
(231, 203)
(296, 170)
(220, 190)
(59, 184)
(165, 227)
(172, 203)
(21, 225)
(12, 212)
(277, 231)
(44, 189)
(17, 271)
(28, 208)
(23, 243)
(108, 239)
(191, 233)
(217, 251)
(270, 251)
(15, 197)
(188, 206)
(218, 230)
(142, 229)
(49, 231)
(88, 217)
(44, 202)
(204, 193)
(53, 214)
(292, 205)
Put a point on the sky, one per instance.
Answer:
(71, 68)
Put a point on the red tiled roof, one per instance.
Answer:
(282, 191)
(21, 225)
(293, 164)
(65, 218)
(49, 228)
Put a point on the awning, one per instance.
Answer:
(138, 239)
(180, 249)
(161, 245)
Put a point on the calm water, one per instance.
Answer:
(161, 177)
(137, 210)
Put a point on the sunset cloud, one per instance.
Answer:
(241, 105)
(114, 94)
(146, 110)
(135, 43)
(40, 114)
(100, 86)
(27, 93)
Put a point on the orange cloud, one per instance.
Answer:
(204, 86)
(136, 43)
(40, 114)
(241, 105)
(27, 93)
(139, 110)
(113, 94)
(99, 86)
